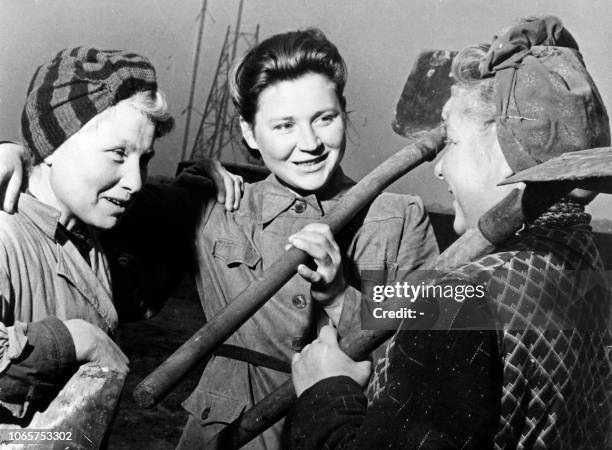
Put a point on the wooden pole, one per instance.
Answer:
(201, 345)
(495, 226)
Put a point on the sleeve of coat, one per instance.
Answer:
(393, 235)
(36, 359)
(151, 251)
(441, 390)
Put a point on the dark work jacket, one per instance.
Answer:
(538, 378)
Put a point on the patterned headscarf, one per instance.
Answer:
(547, 103)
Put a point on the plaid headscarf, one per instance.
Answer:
(75, 86)
(547, 103)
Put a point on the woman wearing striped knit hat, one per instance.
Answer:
(89, 124)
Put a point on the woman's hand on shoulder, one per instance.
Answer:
(11, 174)
(229, 187)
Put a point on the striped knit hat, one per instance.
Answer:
(75, 86)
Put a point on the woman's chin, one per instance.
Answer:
(308, 184)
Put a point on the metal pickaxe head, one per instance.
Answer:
(427, 89)
(587, 169)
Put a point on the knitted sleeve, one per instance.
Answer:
(441, 391)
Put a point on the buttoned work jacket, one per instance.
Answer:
(44, 280)
(234, 249)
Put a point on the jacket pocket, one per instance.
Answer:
(236, 252)
(213, 407)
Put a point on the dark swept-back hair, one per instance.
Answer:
(284, 57)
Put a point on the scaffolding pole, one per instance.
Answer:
(194, 77)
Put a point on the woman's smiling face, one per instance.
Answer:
(97, 172)
(472, 164)
(299, 130)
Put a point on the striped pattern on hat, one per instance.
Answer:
(75, 86)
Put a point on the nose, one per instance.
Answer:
(308, 139)
(132, 176)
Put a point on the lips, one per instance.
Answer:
(311, 162)
(120, 203)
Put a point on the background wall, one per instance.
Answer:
(378, 38)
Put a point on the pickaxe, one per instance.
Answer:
(430, 74)
(546, 183)
(495, 226)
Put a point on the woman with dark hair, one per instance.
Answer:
(289, 92)
(527, 366)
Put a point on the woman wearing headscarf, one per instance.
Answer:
(527, 367)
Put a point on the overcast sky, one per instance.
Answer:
(378, 38)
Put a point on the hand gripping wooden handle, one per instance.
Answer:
(201, 345)
(495, 226)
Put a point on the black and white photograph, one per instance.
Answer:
(305, 224)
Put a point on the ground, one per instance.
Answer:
(147, 344)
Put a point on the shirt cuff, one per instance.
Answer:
(328, 406)
(45, 364)
(330, 387)
(49, 357)
(52, 337)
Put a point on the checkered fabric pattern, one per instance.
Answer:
(75, 86)
(555, 308)
(552, 302)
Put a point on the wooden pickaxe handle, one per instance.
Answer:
(203, 343)
(495, 226)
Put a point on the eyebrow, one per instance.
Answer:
(316, 114)
(325, 110)
(280, 119)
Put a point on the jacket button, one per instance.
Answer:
(299, 301)
(300, 206)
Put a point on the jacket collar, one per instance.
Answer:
(577, 238)
(44, 216)
(47, 218)
(92, 281)
(277, 198)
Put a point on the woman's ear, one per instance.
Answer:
(247, 134)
